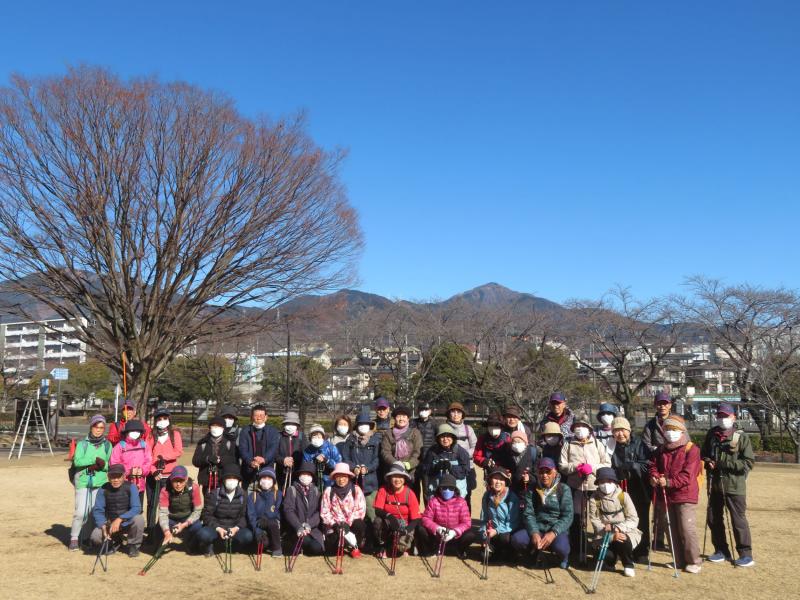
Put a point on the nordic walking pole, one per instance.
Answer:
(584, 509)
(486, 550)
(669, 531)
(337, 570)
(295, 553)
(151, 563)
(653, 538)
(601, 556)
(727, 524)
(286, 479)
(228, 568)
(259, 554)
(393, 562)
(437, 569)
(320, 473)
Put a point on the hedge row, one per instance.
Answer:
(771, 443)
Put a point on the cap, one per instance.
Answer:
(620, 423)
(725, 409)
(382, 402)
(179, 472)
(363, 418)
(662, 398)
(606, 473)
(161, 412)
(447, 481)
(546, 463)
(606, 408)
(117, 470)
(557, 397)
(128, 404)
(134, 425)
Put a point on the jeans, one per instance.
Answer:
(188, 535)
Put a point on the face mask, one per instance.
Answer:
(494, 432)
(362, 429)
(552, 440)
(424, 414)
(725, 423)
(607, 488)
(134, 435)
(673, 436)
(342, 429)
(305, 479)
(162, 424)
(607, 419)
(215, 431)
(518, 448)
(290, 429)
(266, 483)
(448, 494)
(230, 484)
(317, 442)
(581, 433)
(259, 425)
(228, 423)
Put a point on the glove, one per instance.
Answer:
(344, 526)
(350, 538)
(394, 523)
(99, 463)
(449, 535)
(301, 531)
(584, 469)
(441, 531)
(407, 465)
(306, 526)
(443, 465)
(489, 463)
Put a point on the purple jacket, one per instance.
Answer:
(452, 514)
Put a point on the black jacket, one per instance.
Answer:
(219, 511)
(303, 507)
(207, 453)
(354, 454)
(428, 430)
(631, 463)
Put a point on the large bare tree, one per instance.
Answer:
(157, 211)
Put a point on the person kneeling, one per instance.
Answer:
(396, 512)
(343, 509)
(224, 513)
(447, 518)
(118, 511)
(548, 512)
(611, 510)
(179, 507)
(263, 514)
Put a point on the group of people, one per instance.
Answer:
(399, 484)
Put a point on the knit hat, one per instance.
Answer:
(218, 421)
(557, 397)
(725, 409)
(161, 412)
(228, 410)
(307, 467)
(316, 428)
(382, 402)
(581, 418)
(446, 429)
(606, 473)
(117, 470)
(620, 423)
(401, 410)
(662, 398)
(494, 421)
(134, 425)
(267, 472)
(291, 418)
(455, 406)
(179, 472)
(447, 481)
(607, 408)
(230, 471)
(512, 411)
(97, 419)
(500, 472)
(675, 421)
(342, 469)
(519, 435)
(552, 428)
(546, 463)
(397, 470)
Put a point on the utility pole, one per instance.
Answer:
(288, 354)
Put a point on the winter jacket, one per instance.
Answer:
(574, 453)
(111, 503)
(520, 427)
(631, 462)
(439, 461)
(492, 449)
(551, 452)
(465, 435)
(564, 422)
(680, 464)
(734, 462)
(506, 517)
(427, 430)
(86, 455)
(115, 435)
(133, 454)
(210, 453)
(521, 464)
(301, 505)
(169, 447)
(221, 511)
(615, 509)
(267, 505)
(549, 509)
(254, 442)
(335, 510)
(606, 437)
(356, 454)
(389, 444)
(452, 514)
(339, 440)
(172, 505)
(383, 425)
(289, 445)
(331, 454)
(653, 433)
(403, 504)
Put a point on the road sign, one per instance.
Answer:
(60, 374)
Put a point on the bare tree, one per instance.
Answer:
(157, 211)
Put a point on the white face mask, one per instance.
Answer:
(259, 425)
(163, 424)
(673, 436)
(725, 423)
(215, 431)
(424, 414)
(342, 429)
(581, 432)
(134, 435)
(266, 483)
(290, 429)
(230, 484)
(362, 429)
(229, 423)
(317, 441)
(607, 488)
(494, 432)
(552, 440)
(305, 479)
(518, 447)
(607, 419)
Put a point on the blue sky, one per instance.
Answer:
(557, 148)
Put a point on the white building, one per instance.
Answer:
(30, 346)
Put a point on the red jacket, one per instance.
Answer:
(168, 451)
(452, 514)
(681, 466)
(497, 449)
(403, 505)
(114, 434)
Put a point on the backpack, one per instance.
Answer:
(701, 476)
(72, 469)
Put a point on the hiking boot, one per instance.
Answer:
(745, 561)
(629, 572)
(564, 564)
(718, 557)
(74, 545)
(355, 553)
(694, 569)
(133, 551)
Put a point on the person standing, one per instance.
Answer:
(132, 452)
(166, 447)
(258, 445)
(728, 456)
(653, 433)
(401, 443)
(426, 426)
(559, 414)
(513, 421)
(551, 439)
(361, 452)
(466, 438)
(342, 427)
(383, 420)
(213, 453)
(322, 453)
(290, 449)
(604, 432)
(127, 413)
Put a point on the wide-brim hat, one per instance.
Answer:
(494, 421)
(581, 418)
(552, 428)
(512, 411)
(446, 429)
(500, 472)
(455, 406)
(364, 418)
(342, 469)
(397, 470)
(620, 423)
(291, 418)
(228, 410)
(161, 412)
(606, 408)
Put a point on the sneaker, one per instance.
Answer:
(694, 569)
(133, 551)
(718, 557)
(381, 554)
(277, 553)
(629, 572)
(405, 554)
(745, 561)
(355, 553)
(564, 564)
(74, 545)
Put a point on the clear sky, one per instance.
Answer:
(556, 148)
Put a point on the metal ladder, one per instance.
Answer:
(38, 428)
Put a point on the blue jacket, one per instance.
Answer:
(368, 455)
(266, 446)
(99, 510)
(505, 517)
(267, 505)
(331, 454)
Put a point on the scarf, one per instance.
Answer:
(402, 448)
(723, 434)
(681, 442)
(96, 441)
(341, 492)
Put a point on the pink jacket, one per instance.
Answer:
(170, 453)
(452, 514)
(333, 510)
(133, 455)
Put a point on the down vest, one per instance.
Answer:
(220, 511)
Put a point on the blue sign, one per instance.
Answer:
(60, 374)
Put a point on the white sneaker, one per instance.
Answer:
(629, 572)
(695, 569)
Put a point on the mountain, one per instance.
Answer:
(494, 295)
